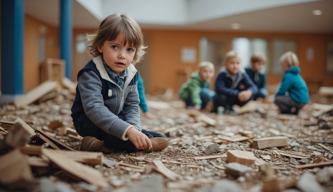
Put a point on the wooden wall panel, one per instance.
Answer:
(33, 29)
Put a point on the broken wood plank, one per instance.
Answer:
(52, 141)
(19, 134)
(159, 166)
(69, 84)
(269, 142)
(38, 162)
(312, 165)
(79, 170)
(14, 168)
(35, 150)
(208, 157)
(292, 154)
(89, 158)
(242, 157)
(326, 91)
(36, 93)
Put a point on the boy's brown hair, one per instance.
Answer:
(257, 58)
(230, 55)
(111, 27)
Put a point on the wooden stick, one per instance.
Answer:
(208, 157)
(165, 171)
(322, 164)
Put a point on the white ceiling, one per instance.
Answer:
(291, 18)
(255, 15)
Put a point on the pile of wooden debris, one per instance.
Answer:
(255, 150)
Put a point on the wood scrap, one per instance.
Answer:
(35, 150)
(79, 170)
(312, 165)
(268, 142)
(38, 162)
(159, 166)
(209, 157)
(326, 91)
(242, 157)
(70, 85)
(14, 167)
(36, 93)
(52, 141)
(89, 158)
(292, 154)
(19, 134)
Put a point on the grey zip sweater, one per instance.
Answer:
(102, 102)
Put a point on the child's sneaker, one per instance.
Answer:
(159, 143)
(93, 144)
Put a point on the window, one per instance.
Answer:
(279, 48)
(329, 64)
(245, 47)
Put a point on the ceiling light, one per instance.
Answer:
(317, 12)
(235, 26)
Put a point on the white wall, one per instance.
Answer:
(200, 10)
(149, 11)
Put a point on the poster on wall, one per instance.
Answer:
(188, 55)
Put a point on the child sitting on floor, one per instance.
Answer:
(232, 87)
(106, 107)
(257, 76)
(293, 92)
(196, 92)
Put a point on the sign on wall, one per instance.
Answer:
(188, 55)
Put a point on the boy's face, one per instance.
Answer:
(233, 65)
(117, 55)
(206, 73)
(257, 66)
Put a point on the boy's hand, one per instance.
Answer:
(244, 95)
(139, 140)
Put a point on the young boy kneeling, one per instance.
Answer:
(232, 87)
(257, 76)
(196, 92)
(106, 107)
(293, 93)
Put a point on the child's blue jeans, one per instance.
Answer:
(227, 102)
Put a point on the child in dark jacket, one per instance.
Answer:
(196, 91)
(256, 75)
(292, 93)
(232, 87)
(106, 107)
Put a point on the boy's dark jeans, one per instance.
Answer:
(287, 106)
(227, 102)
(110, 141)
(206, 96)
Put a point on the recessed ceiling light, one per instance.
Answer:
(235, 26)
(317, 12)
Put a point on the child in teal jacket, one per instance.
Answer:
(293, 92)
(195, 92)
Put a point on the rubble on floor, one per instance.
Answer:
(255, 150)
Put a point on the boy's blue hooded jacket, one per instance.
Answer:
(294, 85)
